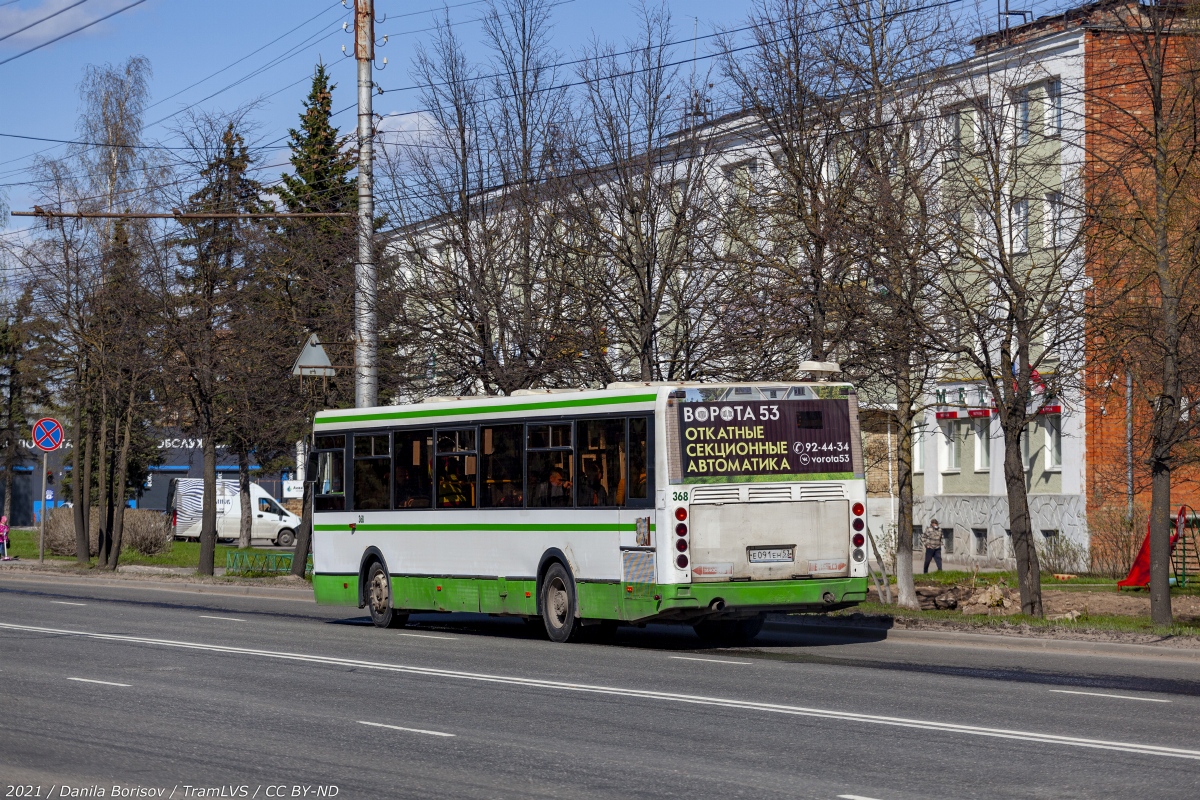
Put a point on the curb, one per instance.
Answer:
(990, 640)
(235, 590)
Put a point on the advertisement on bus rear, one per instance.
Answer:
(765, 440)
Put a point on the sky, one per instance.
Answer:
(221, 54)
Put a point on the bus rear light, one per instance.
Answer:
(681, 514)
(858, 540)
(681, 561)
(681, 529)
(858, 524)
(858, 555)
(858, 509)
(681, 545)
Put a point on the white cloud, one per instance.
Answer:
(17, 16)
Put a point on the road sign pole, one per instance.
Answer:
(42, 536)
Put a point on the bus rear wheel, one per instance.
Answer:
(379, 599)
(728, 631)
(558, 604)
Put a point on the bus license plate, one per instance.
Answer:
(771, 555)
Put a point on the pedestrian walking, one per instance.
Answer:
(4, 556)
(932, 539)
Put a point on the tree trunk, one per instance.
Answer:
(118, 524)
(85, 491)
(208, 512)
(304, 535)
(906, 592)
(83, 552)
(247, 522)
(1029, 574)
(102, 483)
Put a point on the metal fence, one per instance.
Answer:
(241, 562)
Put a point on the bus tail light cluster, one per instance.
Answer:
(858, 524)
(681, 542)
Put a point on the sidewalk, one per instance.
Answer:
(175, 579)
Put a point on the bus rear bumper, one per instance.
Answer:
(746, 598)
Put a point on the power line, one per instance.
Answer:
(72, 32)
(35, 23)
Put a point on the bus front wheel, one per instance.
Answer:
(379, 599)
(558, 604)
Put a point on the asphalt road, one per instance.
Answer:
(188, 693)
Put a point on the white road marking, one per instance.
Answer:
(106, 683)
(65, 603)
(1118, 696)
(711, 660)
(226, 619)
(425, 635)
(409, 730)
(854, 797)
(639, 694)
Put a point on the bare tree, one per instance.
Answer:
(1012, 299)
(486, 301)
(1143, 224)
(639, 196)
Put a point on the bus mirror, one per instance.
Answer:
(310, 471)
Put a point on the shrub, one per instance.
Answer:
(144, 531)
(148, 532)
(1115, 538)
(1060, 554)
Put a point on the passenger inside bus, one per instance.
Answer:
(593, 493)
(554, 491)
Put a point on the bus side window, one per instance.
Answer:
(330, 474)
(638, 482)
(413, 469)
(372, 471)
(456, 468)
(500, 461)
(600, 444)
(548, 473)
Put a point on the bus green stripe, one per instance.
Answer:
(485, 526)
(491, 408)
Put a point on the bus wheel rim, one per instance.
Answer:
(379, 593)
(559, 603)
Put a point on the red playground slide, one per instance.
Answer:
(1139, 573)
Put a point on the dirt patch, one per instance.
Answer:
(1185, 608)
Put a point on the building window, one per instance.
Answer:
(1053, 424)
(1052, 218)
(952, 447)
(1052, 117)
(918, 532)
(1025, 447)
(1049, 534)
(1021, 104)
(983, 445)
(954, 131)
(1020, 226)
(918, 459)
(981, 543)
(948, 541)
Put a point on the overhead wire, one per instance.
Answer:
(72, 32)
(37, 22)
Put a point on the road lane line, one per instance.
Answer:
(409, 730)
(425, 635)
(639, 694)
(854, 797)
(1118, 696)
(710, 660)
(106, 683)
(65, 603)
(226, 619)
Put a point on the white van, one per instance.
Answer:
(271, 521)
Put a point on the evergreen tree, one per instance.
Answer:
(318, 253)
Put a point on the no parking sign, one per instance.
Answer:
(48, 437)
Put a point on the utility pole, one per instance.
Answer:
(366, 334)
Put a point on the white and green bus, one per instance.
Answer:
(707, 504)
